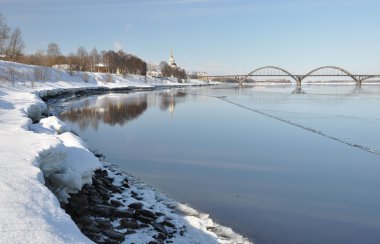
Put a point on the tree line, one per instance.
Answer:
(12, 47)
(82, 60)
(11, 42)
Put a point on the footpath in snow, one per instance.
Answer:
(42, 165)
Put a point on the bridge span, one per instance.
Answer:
(274, 71)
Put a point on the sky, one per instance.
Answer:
(215, 36)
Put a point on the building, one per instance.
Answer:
(100, 67)
(172, 63)
(153, 70)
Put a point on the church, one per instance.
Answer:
(172, 63)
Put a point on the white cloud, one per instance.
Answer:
(117, 46)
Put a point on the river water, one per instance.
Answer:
(275, 163)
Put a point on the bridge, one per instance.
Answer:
(273, 71)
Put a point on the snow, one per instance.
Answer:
(24, 77)
(29, 211)
(198, 227)
(34, 156)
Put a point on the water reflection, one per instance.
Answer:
(213, 151)
(118, 109)
(298, 90)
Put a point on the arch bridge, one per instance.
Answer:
(274, 71)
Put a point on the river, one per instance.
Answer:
(275, 163)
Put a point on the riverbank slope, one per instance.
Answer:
(36, 151)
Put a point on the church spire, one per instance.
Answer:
(171, 60)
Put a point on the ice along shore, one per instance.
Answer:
(38, 151)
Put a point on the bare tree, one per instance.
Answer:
(16, 44)
(39, 57)
(53, 50)
(82, 58)
(72, 61)
(4, 35)
(53, 53)
(94, 58)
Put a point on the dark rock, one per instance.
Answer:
(144, 219)
(104, 224)
(79, 199)
(116, 203)
(147, 213)
(159, 227)
(92, 229)
(167, 223)
(98, 155)
(128, 224)
(84, 220)
(153, 242)
(105, 198)
(130, 232)
(103, 210)
(115, 189)
(123, 213)
(134, 194)
(95, 199)
(125, 184)
(101, 172)
(114, 235)
(99, 184)
(159, 214)
(75, 209)
(138, 198)
(141, 226)
(110, 241)
(108, 179)
(160, 236)
(136, 205)
(182, 232)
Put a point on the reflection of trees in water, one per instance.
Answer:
(108, 111)
(119, 110)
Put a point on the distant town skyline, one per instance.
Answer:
(215, 36)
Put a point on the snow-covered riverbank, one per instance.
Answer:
(45, 153)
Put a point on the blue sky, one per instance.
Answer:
(216, 36)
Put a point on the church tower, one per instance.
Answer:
(172, 61)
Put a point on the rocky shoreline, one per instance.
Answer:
(117, 207)
(103, 214)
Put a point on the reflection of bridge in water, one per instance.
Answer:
(273, 71)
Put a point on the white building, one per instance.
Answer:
(172, 61)
(153, 70)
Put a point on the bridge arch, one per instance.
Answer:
(270, 67)
(330, 67)
(369, 77)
